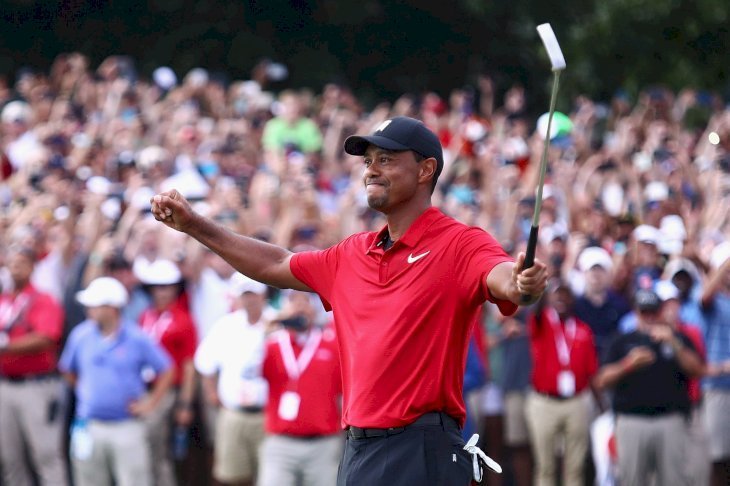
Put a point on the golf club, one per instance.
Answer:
(558, 64)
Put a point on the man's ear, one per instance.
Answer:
(428, 169)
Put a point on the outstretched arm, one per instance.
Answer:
(507, 281)
(257, 259)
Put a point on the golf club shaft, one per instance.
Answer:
(532, 241)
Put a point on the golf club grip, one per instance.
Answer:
(531, 246)
(530, 255)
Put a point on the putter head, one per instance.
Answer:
(551, 46)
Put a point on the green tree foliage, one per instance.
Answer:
(382, 48)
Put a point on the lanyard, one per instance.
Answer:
(562, 335)
(295, 366)
(10, 311)
(159, 327)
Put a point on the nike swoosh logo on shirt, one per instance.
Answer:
(412, 258)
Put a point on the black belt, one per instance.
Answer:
(250, 409)
(27, 378)
(431, 418)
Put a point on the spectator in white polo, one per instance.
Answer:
(229, 358)
(104, 359)
(303, 442)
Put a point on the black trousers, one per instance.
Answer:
(429, 454)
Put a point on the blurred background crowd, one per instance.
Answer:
(634, 228)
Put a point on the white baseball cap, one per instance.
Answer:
(592, 256)
(240, 284)
(103, 291)
(158, 272)
(656, 191)
(666, 290)
(645, 233)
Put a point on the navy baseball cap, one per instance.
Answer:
(400, 133)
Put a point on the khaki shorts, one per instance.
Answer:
(515, 422)
(717, 423)
(238, 436)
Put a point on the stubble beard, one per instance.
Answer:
(377, 202)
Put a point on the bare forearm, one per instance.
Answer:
(210, 388)
(689, 361)
(187, 388)
(609, 375)
(249, 256)
(711, 287)
(30, 343)
(161, 386)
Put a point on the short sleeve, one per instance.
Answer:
(68, 362)
(206, 359)
(317, 270)
(188, 338)
(614, 352)
(45, 316)
(479, 253)
(155, 356)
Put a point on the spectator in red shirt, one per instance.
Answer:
(403, 300)
(30, 417)
(169, 324)
(302, 367)
(565, 360)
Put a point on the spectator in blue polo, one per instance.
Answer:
(716, 308)
(104, 359)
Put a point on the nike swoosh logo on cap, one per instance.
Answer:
(412, 258)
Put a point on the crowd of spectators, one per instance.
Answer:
(636, 198)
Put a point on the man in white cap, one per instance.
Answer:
(599, 306)
(229, 358)
(103, 359)
(168, 322)
(716, 309)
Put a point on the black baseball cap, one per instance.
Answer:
(400, 133)
(646, 300)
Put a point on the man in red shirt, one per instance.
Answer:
(302, 367)
(403, 298)
(30, 416)
(565, 360)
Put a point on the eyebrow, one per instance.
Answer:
(378, 150)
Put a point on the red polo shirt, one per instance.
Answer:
(403, 316)
(583, 357)
(694, 387)
(173, 329)
(31, 311)
(319, 387)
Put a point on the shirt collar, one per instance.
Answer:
(413, 234)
